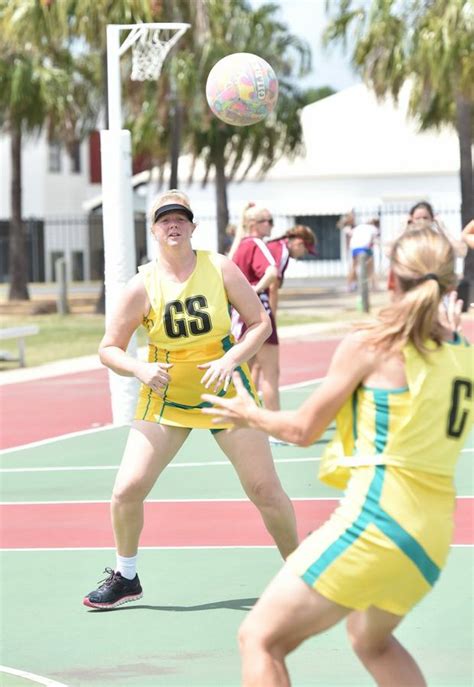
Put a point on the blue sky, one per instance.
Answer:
(307, 19)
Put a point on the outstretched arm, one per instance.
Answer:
(306, 424)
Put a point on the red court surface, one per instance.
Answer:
(175, 523)
(53, 406)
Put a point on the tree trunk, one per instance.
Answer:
(176, 125)
(221, 198)
(18, 260)
(465, 135)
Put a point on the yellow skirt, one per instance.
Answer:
(385, 544)
(181, 405)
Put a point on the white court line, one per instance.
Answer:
(298, 385)
(50, 503)
(31, 676)
(212, 463)
(71, 435)
(169, 548)
(44, 442)
(195, 464)
(85, 501)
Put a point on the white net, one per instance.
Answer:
(150, 50)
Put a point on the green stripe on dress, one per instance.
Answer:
(381, 419)
(372, 513)
(150, 390)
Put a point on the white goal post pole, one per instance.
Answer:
(118, 222)
(119, 253)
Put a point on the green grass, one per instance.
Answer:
(60, 337)
(71, 336)
(286, 318)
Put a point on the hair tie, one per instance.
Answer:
(427, 277)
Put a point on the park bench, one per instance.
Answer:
(19, 334)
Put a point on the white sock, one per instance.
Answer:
(127, 567)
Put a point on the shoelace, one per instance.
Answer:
(108, 580)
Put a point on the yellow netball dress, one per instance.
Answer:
(188, 324)
(395, 453)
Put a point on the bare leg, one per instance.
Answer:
(150, 447)
(249, 452)
(352, 276)
(384, 657)
(255, 372)
(268, 361)
(288, 612)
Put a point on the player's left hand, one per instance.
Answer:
(236, 410)
(218, 373)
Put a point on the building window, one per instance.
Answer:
(327, 234)
(75, 156)
(54, 159)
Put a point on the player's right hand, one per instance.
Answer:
(154, 375)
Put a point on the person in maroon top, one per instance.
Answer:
(264, 266)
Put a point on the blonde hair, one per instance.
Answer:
(423, 262)
(171, 196)
(249, 213)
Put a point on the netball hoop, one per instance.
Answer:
(150, 44)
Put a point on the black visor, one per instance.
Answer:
(173, 207)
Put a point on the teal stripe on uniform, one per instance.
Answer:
(381, 419)
(349, 536)
(372, 513)
(409, 546)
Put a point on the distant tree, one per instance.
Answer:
(312, 95)
(431, 44)
(41, 86)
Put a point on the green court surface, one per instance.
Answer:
(183, 632)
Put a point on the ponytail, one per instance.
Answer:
(422, 260)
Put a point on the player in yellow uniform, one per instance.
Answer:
(401, 390)
(183, 298)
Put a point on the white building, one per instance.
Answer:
(360, 154)
(55, 185)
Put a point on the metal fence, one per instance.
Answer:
(80, 241)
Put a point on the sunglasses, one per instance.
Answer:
(266, 219)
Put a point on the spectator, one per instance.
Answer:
(362, 242)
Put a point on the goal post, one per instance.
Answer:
(150, 44)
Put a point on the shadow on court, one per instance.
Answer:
(231, 604)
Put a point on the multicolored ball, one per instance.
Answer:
(242, 89)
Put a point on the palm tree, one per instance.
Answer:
(39, 86)
(42, 85)
(432, 45)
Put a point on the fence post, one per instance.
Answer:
(363, 282)
(62, 304)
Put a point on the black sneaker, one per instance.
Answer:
(114, 591)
